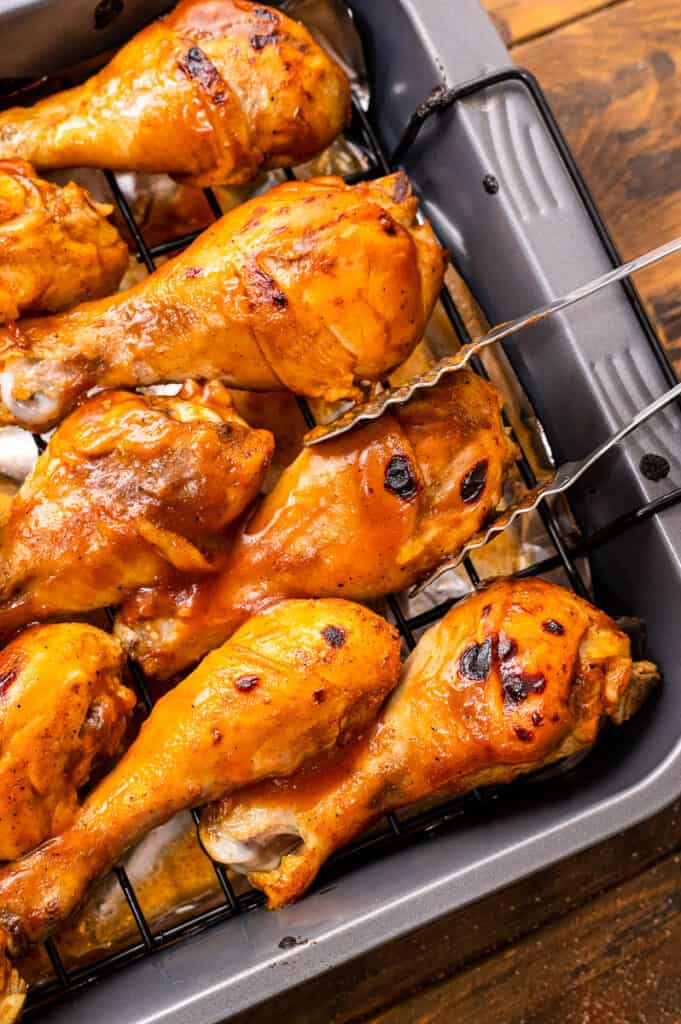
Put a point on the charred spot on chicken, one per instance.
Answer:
(400, 478)
(473, 484)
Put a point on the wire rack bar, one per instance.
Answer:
(172, 245)
(215, 207)
(137, 912)
(57, 965)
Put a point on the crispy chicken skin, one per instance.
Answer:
(295, 681)
(359, 516)
(129, 488)
(213, 93)
(513, 678)
(311, 287)
(56, 246)
(63, 707)
(12, 988)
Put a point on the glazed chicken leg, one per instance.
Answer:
(515, 677)
(129, 488)
(212, 93)
(360, 516)
(56, 246)
(309, 288)
(63, 707)
(291, 683)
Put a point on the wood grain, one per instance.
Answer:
(519, 20)
(614, 960)
(614, 82)
(484, 930)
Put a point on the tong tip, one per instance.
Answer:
(373, 407)
(440, 570)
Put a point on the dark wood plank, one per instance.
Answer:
(614, 960)
(519, 20)
(450, 945)
(614, 82)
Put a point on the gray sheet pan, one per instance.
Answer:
(586, 372)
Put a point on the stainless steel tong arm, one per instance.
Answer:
(563, 478)
(374, 407)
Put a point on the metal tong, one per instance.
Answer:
(372, 408)
(563, 478)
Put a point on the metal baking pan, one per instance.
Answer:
(43, 36)
(586, 373)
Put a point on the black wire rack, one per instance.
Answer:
(399, 831)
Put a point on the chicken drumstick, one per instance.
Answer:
(130, 487)
(57, 246)
(513, 678)
(62, 708)
(291, 683)
(309, 288)
(213, 93)
(360, 516)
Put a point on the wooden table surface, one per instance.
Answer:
(597, 938)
